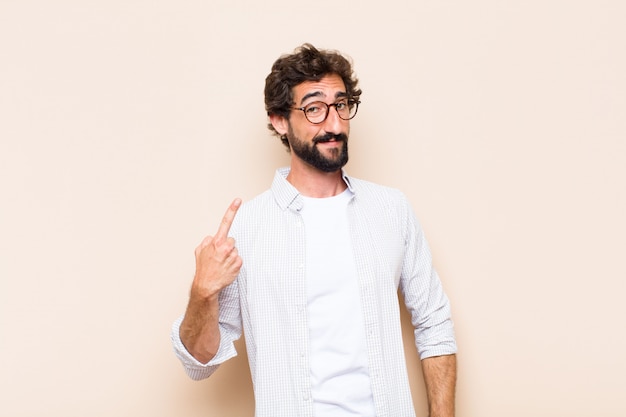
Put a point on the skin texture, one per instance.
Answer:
(440, 379)
(309, 180)
(217, 260)
(217, 265)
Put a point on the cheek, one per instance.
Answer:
(307, 134)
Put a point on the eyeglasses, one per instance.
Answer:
(317, 111)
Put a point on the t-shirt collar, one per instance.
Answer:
(287, 196)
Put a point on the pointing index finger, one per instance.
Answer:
(227, 220)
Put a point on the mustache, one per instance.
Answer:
(339, 137)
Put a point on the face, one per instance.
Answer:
(323, 146)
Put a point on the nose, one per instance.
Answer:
(333, 123)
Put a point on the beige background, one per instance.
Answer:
(126, 128)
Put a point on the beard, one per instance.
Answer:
(310, 154)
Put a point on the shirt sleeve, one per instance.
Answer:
(230, 331)
(424, 296)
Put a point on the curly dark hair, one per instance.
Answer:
(307, 63)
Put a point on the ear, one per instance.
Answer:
(280, 124)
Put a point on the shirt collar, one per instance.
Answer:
(287, 196)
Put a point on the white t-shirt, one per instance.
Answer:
(339, 368)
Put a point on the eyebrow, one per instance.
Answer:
(339, 94)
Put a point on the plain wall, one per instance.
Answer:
(127, 127)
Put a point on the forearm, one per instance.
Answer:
(217, 266)
(440, 379)
(199, 330)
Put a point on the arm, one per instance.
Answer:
(199, 330)
(217, 266)
(431, 318)
(440, 378)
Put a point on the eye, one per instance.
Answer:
(313, 108)
(342, 105)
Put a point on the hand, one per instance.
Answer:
(217, 259)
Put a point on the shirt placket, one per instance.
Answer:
(301, 342)
(365, 258)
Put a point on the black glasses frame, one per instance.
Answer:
(350, 103)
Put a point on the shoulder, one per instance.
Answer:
(255, 207)
(371, 192)
(381, 201)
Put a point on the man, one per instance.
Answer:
(313, 275)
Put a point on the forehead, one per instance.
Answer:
(329, 87)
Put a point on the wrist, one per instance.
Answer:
(203, 293)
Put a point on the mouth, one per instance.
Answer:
(329, 138)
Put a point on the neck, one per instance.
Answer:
(311, 182)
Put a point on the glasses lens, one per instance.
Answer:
(348, 111)
(316, 112)
(354, 106)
